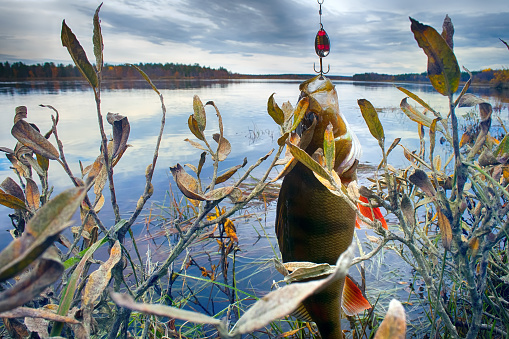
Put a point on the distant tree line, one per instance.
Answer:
(487, 76)
(49, 70)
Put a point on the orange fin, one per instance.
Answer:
(366, 211)
(353, 300)
(358, 222)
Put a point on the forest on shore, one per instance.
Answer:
(18, 71)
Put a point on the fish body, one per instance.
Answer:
(312, 224)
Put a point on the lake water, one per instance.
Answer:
(247, 126)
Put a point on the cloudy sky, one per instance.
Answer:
(257, 36)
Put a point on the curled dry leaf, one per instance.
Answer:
(121, 129)
(420, 179)
(394, 324)
(31, 138)
(186, 183)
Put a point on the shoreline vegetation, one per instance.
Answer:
(18, 71)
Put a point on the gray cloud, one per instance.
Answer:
(365, 35)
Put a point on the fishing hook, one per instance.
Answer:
(321, 72)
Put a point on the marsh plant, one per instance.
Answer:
(452, 221)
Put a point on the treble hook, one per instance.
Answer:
(321, 72)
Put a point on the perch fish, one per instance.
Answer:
(312, 224)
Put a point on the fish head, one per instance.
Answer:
(324, 110)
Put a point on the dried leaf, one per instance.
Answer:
(21, 312)
(186, 183)
(445, 230)
(47, 271)
(40, 232)
(121, 129)
(394, 324)
(420, 179)
(443, 70)
(223, 148)
(416, 98)
(408, 210)
(371, 118)
(505, 43)
(199, 114)
(416, 115)
(393, 145)
(196, 145)
(124, 300)
(98, 40)
(448, 31)
(300, 112)
(43, 162)
(309, 162)
(470, 100)
(218, 193)
(78, 55)
(100, 278)
(12, 188)
(274, 111)
(32, 194)
(30, 137)
(227, 175)
(194, 128)
(329, 149)
(21, 113)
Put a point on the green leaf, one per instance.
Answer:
(443, 70)
(309, 162)
(98, 40)
(274, 111)
(78, 55)
(371, 117)
(40, 232)
(199, 113)
(329, 147)
(72, 284)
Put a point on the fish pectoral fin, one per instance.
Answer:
(302, 314)
(353, 301)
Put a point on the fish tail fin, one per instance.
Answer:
(366, 211)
